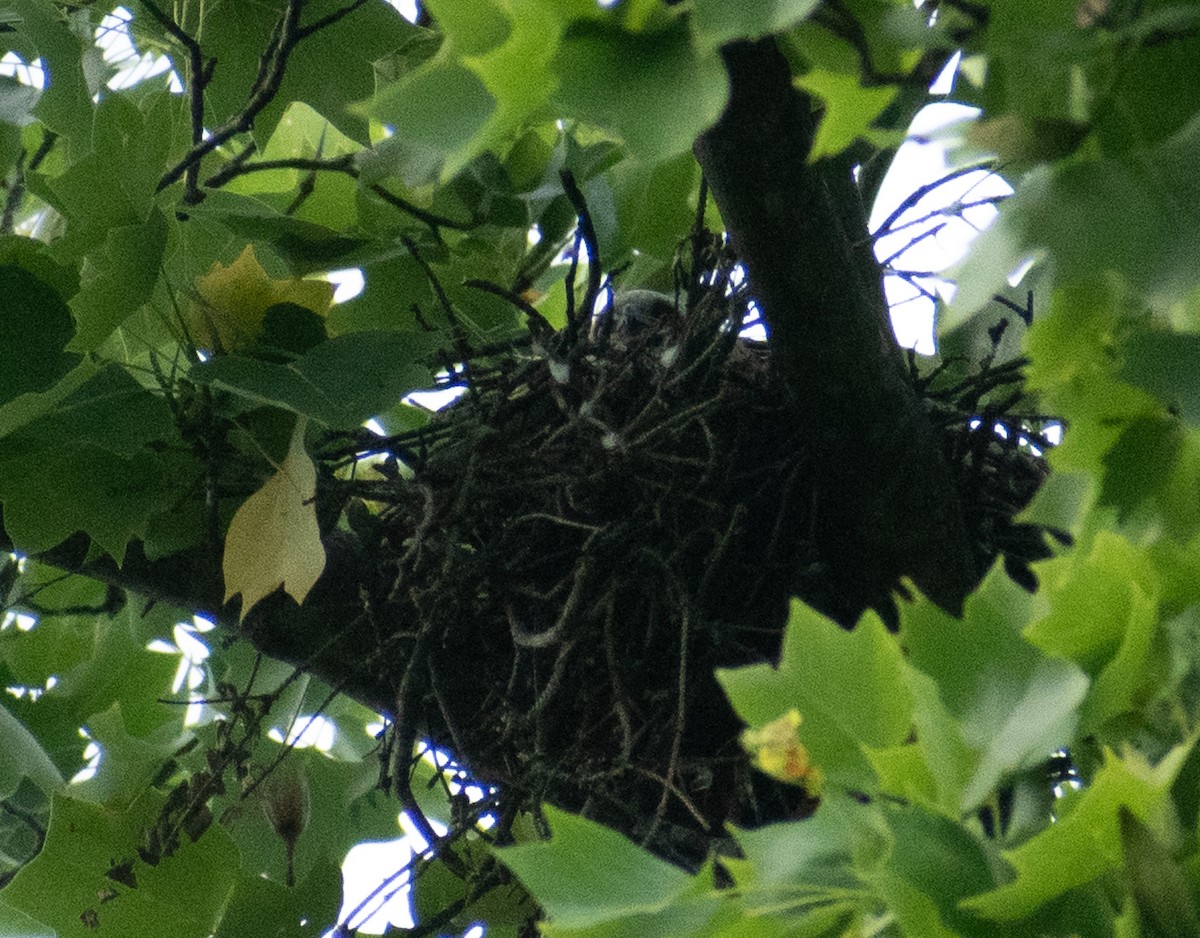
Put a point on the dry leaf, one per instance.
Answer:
(274, 539)
(778, 752)
(233, 302)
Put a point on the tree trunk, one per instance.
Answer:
(885, 505)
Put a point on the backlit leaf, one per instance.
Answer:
(234, 299)
(274, 539)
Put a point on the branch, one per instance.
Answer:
(288, 33)
(338, 164)
(199, 74)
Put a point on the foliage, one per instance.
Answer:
(181, 412)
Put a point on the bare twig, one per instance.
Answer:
(461, 343)
(286, 35)
(16, 191)
(432, 220)
(588, 232)
(199, 73)
(336, 164)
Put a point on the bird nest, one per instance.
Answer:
(603, 519)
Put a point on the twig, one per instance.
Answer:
(462, 346)
(429, 218)
(539, 324)
(284, 38)
(336, 164)
(588, 232)
(199, 74)
(17, 191)
(910, 201)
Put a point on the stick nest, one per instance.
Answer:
(605, 517)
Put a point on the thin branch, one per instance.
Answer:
(433, 221)
(337, 164)
(537, 321)
(910, 201)
(587, 232)
(199, 74)
(462, 346)
(286, 35)
(329, 20)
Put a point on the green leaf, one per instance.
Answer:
(1160, 885)
(655, 91)
(437, 111)
(110, 410)
(17, 101)
(37, 325)
(937, 766)
(82, 487)
(328, 70)
(1104, 615)
(347, 808)
(128, 763)
(718, 22)
(123, 276)
(340, 383)
(473, 26)
(262, 907)
(587, 874)
(64, 882)
(848, 687)
(1130, 211)
(15, 922)
(850, 110)
(66, 104)
(1167, 364)
(1086, 840)
(1014, 715)
(24, 757)
(305, 246)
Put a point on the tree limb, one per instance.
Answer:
(885, 503)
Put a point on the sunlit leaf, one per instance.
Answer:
(1086, 841)
(656, 92)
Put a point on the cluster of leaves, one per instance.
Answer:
(336, 134)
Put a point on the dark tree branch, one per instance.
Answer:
(199, 73)
(16, 191)
(288, 33)
(337, 164)
(885, 503)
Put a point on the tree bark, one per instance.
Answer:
(885, 504)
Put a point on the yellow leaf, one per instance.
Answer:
(233, 301)
(273, 539)
(778, 752)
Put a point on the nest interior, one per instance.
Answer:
(605, 517)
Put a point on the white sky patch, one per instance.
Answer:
(27, 73)
(347, 283)
(307, 731)
(936, 231)
(407, 8)
(115, 42)
(376, 893)
(92, 754)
